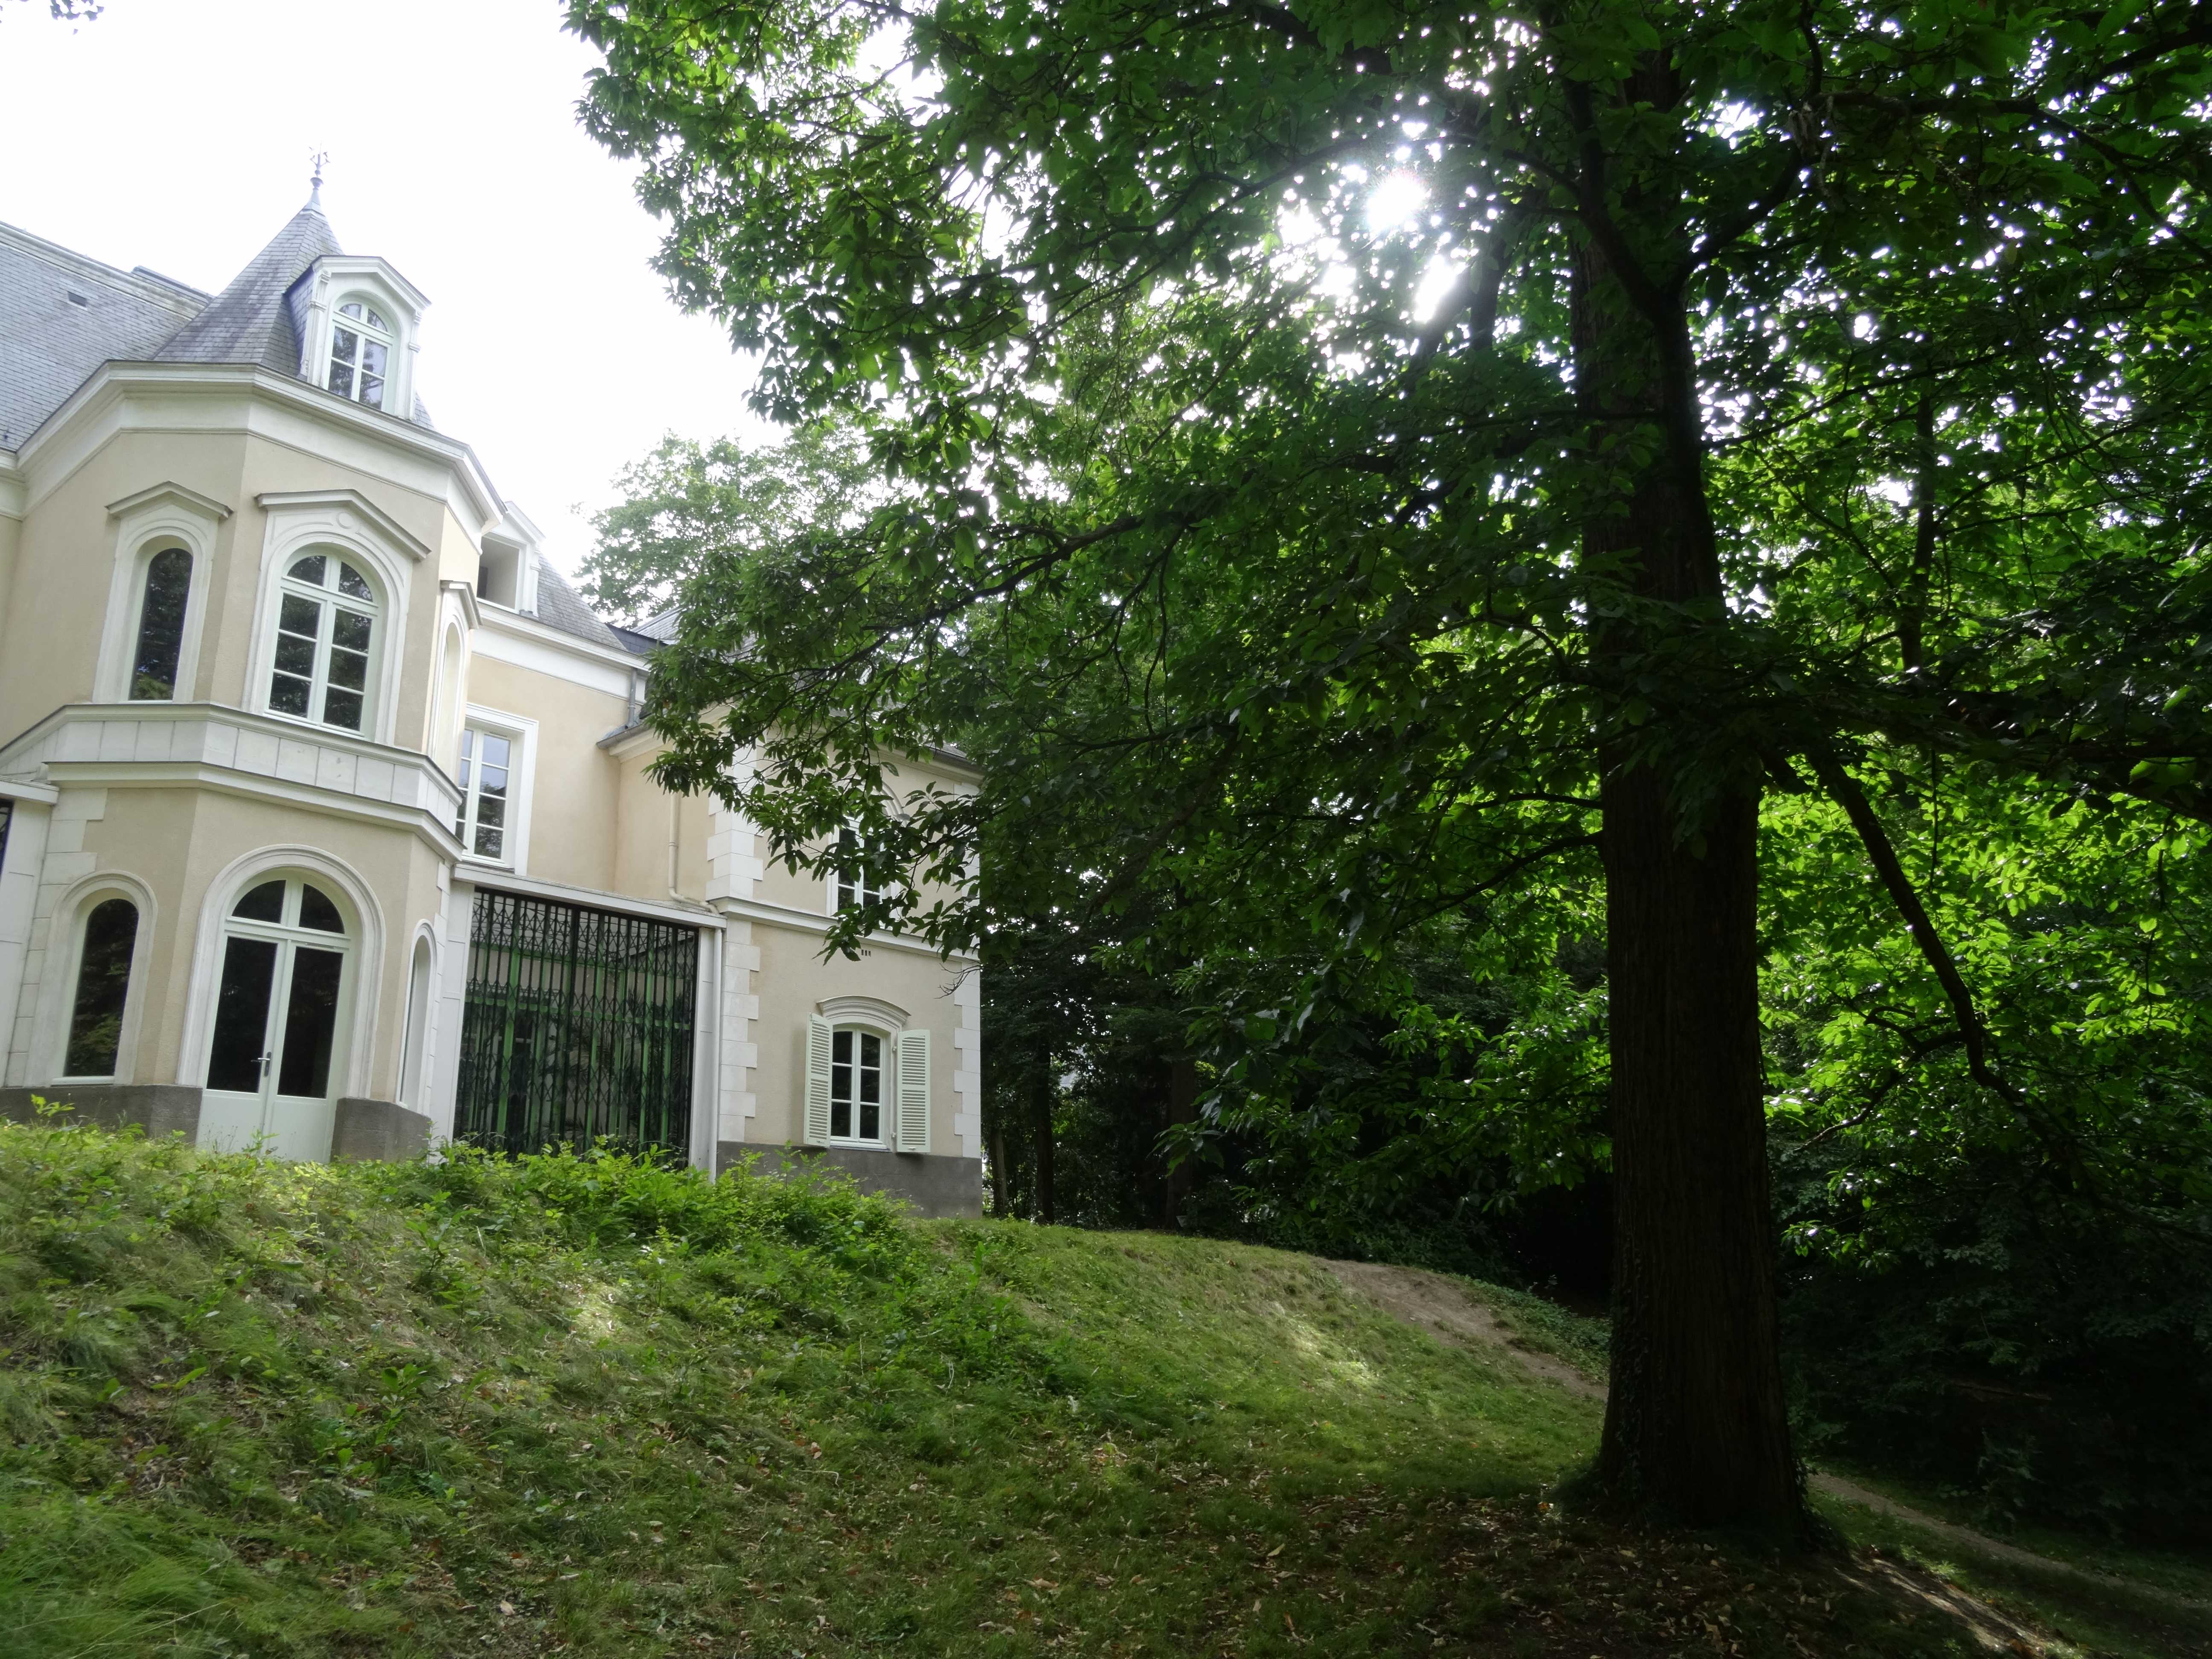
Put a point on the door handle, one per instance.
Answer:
(266, 1059)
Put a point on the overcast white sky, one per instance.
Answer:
(176, 136)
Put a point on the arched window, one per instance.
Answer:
(416, 1031)
(160, 626)
(325, 665)
(360, 352)
(275, 1043)
(103, 986)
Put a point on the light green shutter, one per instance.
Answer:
(817, 1080)
(914, 1091)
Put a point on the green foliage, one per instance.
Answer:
(1797, 403)
(591, 1403)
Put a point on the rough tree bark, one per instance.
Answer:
(1696, 1427)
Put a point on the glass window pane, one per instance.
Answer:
(351, 308)
(348, 669)
(318, 912)
(354, 585)
(311, 1018)
(491, 810)
(342, 709)
(489, 842)
(872, 1050)
(295, 656)
(241, 1014)
(871, 1120)
(349, 630)
(310, 570)
(264, 903)
(289, 696)
(840, 1048)
(103, 980)
(496, 749)
(161, 626)
(377, 321)
(372, 391)
(372, 359)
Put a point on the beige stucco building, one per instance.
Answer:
(324, 823)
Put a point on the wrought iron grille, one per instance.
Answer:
(579, 1025)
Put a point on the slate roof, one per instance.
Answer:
(561, 606)
(63, 315)
(250, 322)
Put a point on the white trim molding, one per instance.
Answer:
(204, 745)
(65, 956)
(328, 283)
(352, 891)
(521, 732)
(339, 522)
(151, 521)
(885, 1016)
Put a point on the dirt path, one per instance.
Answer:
(1448, 1311)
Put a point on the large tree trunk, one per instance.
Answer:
(1696, 1428)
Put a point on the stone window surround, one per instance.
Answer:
(344, 522)
(337, 277)
(57, 994)
(521, 731)
(167, 516)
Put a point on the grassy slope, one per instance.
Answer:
(580, 1405)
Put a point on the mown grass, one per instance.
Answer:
(587, 1405)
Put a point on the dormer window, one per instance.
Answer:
(360, 352)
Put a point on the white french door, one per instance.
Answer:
(277, 1037)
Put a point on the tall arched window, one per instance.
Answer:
(160, 626)
(103, 986)
(324, 663)
(360, 351)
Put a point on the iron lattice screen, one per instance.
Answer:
(579, 1025)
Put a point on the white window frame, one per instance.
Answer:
(328, 599)
(382, 331)
(521, 732)
(907, 1060)
(332, 280)
(58, 999)
(346, 523)
(839, 887)
(146, 524)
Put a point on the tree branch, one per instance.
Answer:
(1848, 795)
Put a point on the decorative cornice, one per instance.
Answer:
(466, 592)
(873, 1011)
(118, 377)
(278, 501)
(172, 491)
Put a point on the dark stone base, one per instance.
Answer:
(377, 1132)
(935, 1185)
(367, 1129)
(160, 1109)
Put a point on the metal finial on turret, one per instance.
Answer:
(320, 159)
